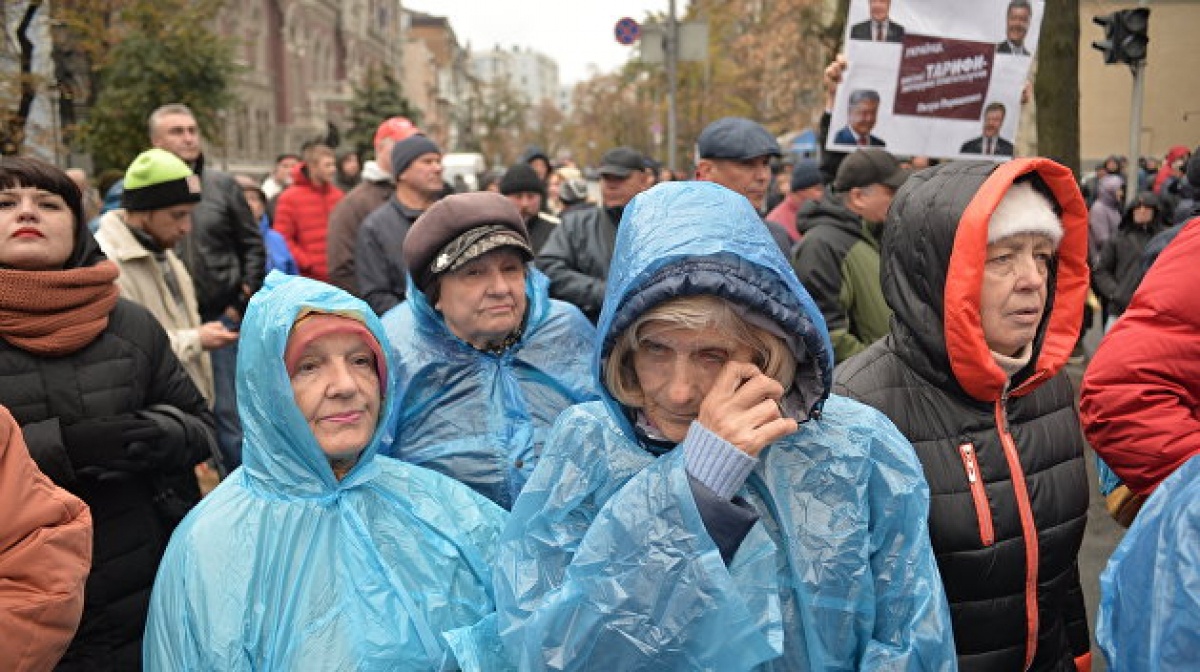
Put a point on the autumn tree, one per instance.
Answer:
(765, 59)
(19, 88)
(143, 54)
(502, 118)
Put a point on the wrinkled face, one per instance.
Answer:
(616, 190)
(879, 9)
(1018, 24)
(178, 134)
(37, 229)
(1143, 215)
(336, 387)
(528, 202)
(676, 367)
(748, 177)
(863, 116)
(871, 202)
(323, 170)
(424, 174)
(168, 225)
(1013, 297)
(992, 122)
(484, 300)
(283, 169)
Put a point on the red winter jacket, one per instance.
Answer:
(1140, 403)
(302, 218)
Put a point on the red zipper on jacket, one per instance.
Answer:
(1028, 529)
(983, 512)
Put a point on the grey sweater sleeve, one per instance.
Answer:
(716, 470)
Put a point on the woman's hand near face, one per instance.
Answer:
(743, 408)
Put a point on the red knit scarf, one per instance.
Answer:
(56, 313)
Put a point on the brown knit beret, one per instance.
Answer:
(459, 228)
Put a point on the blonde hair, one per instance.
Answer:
(771, 355)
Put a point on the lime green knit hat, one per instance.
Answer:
(158, 179)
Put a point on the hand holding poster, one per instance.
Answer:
(927, 78)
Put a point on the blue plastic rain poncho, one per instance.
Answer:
(283, 567)
(606, 563)
(480, 417)
(1150, 591)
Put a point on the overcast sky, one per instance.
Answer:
(575, 33)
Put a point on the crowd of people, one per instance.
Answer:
(812, 417)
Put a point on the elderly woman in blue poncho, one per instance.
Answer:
(718, 509)
(486, 359)
(317, 554)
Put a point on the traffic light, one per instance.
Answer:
(1125, 35)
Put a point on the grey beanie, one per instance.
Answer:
(407, 150)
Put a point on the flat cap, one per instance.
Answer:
(621, 161)
(736, 138)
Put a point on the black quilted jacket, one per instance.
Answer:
(129, 367)
(1003, 457)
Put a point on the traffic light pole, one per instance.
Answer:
(1135, 131)
(672, 61)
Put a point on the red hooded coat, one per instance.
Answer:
(302, 218)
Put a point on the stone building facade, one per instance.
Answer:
(302, 59)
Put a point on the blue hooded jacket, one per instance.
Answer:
(1150, 591)
(283, 567)
(606, 563)
(481, 417)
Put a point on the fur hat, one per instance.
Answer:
(1024, 210)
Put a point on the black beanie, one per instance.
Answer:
(407, 150)
(521, 178)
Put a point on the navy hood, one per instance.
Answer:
(689, 238)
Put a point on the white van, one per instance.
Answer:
(466, 165)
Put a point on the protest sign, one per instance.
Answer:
(939, 78)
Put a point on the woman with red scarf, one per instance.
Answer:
(105, 408)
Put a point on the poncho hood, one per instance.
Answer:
(279, 450)
(689, 238)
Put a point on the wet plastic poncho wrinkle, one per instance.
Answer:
(481, 417)
(1149, 616)
(283, 567)
(606, 563)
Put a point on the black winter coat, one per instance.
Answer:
(1119, 271)
(1003, 457)
(379, 251)
(128, 367)
(224, 249)
(576, 258)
